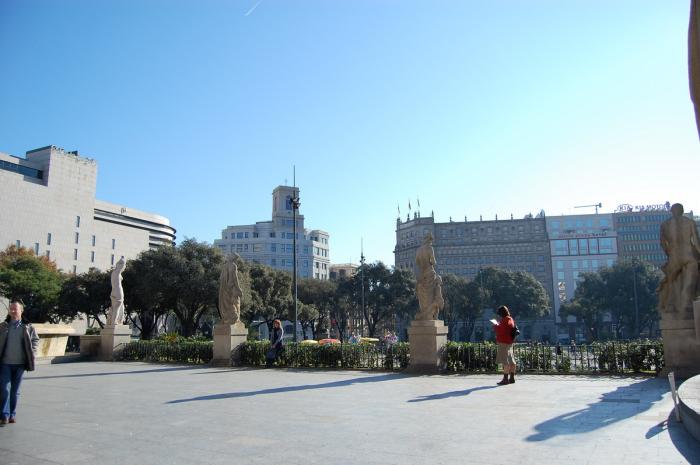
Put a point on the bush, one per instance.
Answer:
(164, 351)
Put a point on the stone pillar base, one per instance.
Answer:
(227, 339)
(681, 346)
(111, 337)
(427, 338)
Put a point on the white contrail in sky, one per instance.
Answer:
(254, 7)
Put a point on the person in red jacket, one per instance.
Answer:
(504, 339)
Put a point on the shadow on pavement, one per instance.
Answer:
(599, 414)
(684, 442)
(303, 387)
(445, 395)
(136, 372)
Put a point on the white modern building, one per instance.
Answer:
(47, 204)
(271, 242)
(578, 244)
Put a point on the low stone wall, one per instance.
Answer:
(52, 339)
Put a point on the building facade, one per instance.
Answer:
(638, 231)
(48, 204)
(578, 244)
(342, 270)
(271, 242)
(464, 248)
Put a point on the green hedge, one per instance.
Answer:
(183, 351)
(347, 356)
(640, 356)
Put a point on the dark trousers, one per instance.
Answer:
(272, 355)
(10, 379)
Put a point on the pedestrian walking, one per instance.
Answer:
(505, 336)
(276, 346)
(18, 344)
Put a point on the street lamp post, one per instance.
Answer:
(636, 305)
(362, 283)
(295, 206)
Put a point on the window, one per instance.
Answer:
(36, 249)
(48, 254)
(92, 256)
(114, 243)
(255, 235)
(75, 254)
(560, 265)
(273, 247)
(112, 261)
(77, 237)
(593, 246)
(48, 239)
(94, 240)
(239, 235)
(272, 234)
(573, 247)
(583, 246)
(77, 221)
(561, 247)
(75, 269)
(273, 262)
(606, 245)
(245, 234)
(18, 243)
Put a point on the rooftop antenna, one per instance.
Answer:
(596, 205)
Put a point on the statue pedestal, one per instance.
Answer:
(111, 337)
(227, 338)
(427, 338)
(681, 344)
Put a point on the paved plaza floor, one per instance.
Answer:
(136, 413)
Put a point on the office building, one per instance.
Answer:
(48, 204)
(271, 242)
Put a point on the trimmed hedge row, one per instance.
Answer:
(348, 356)
(641, 356)
(197, 352)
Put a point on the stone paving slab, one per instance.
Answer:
(136, 413)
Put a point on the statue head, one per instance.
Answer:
(428, 238)
(677, 210)
(121, 263)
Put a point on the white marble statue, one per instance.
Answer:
(429, 283)
(116, 312)
(230, 292)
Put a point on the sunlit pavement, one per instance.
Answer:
(136, 413)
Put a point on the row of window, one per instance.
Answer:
(590, 246)
(660, 218)
(653, 246)
(489, 259)
(23, 170)
(579, 223)
(641, 237)
(273, 234)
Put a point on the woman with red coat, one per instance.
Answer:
(504, 339)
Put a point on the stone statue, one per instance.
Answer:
(116, 312)
(230, 292)
(429, 285)
(680, 242)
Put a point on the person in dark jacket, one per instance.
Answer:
(18, 344)
(275, 342)
(504, 339)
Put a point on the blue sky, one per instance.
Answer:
(197, 110)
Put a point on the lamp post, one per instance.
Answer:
(295, 206)
(636, 305)
(362, 283)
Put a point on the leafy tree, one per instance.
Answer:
(519, 290)
(194, 282)
(147, 284)
(625, 291)
(86, 293)
(270, 294)
(464, 302)
(388, 294)
(35, 281)
(322, 295)
(307, 314)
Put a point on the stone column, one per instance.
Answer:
(427, 338)
(681, 344)
(111, 337)
(227, 339)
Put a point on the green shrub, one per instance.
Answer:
(163, 351)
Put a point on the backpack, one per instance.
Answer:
(515, 332)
